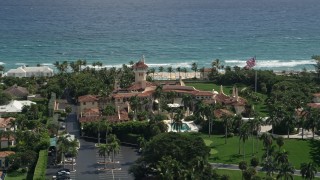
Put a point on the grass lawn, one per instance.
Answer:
(209, 86)
(299, 150)
(16, 176)
(235, 174)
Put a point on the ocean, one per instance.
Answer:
(282, 34)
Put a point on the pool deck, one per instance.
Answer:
(193, 127)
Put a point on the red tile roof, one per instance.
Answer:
(112, 119)
(138, 86)
(316, 94)
(314, 105)
(6, 153)
(140, 64)
(4, 122)
(222, 112)
(91, 112)
(88, 98)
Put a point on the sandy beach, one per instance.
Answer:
(174, 75)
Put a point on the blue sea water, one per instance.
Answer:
(282, 34)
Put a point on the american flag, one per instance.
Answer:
(251, 63)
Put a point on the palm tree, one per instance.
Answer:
(185, 70)
(178, 69)
(267, 141)
(73, 150)
(170, 70)
(177, 120)
(244, 135)
(243, 166)
(152, 70)
(134, 104)
(202, 72)
(280, 142)
(286, 172)
(114, 146)
(186, 100)
(227, 121)
(161, 70)
(106, 127)
(103, 150)
(157, 96)
(194, 67)
(273, 120)
(308, 170)
(269, 165)
(63, 147)
(282, 157)
(313, 120)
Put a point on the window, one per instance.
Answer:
(84, 103)
(92, 103)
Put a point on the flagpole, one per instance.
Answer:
(255, 81)
(255, 78)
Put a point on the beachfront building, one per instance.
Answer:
(90, 106)
(23, 71)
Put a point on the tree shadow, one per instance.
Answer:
(234, 157)
(315, 151)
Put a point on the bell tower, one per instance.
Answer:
(140, 71)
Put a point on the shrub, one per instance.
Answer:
(40, 170)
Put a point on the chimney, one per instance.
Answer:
(142, 59)
(119, 112)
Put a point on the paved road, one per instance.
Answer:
(235, 167)
(86, 162)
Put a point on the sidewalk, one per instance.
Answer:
(235, 167)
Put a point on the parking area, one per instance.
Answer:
(87, 166)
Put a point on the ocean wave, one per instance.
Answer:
(20, 64)
(46, 64)
(272, 63)
(2, 63)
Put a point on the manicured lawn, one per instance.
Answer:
(236, 174)
(299, 150)
(16, 176)
(209, 86)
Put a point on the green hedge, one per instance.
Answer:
(40, 170)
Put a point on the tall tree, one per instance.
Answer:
(194, 67)
(286, 172)
(185, 70)
(103, 151)
(308, 170)
(267, 142)
(161, 70)
(243, 166)
(170, 70)
(177, 120)
(244, 135)
(178, 69)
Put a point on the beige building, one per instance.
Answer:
(23, 71)
(89, 105)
